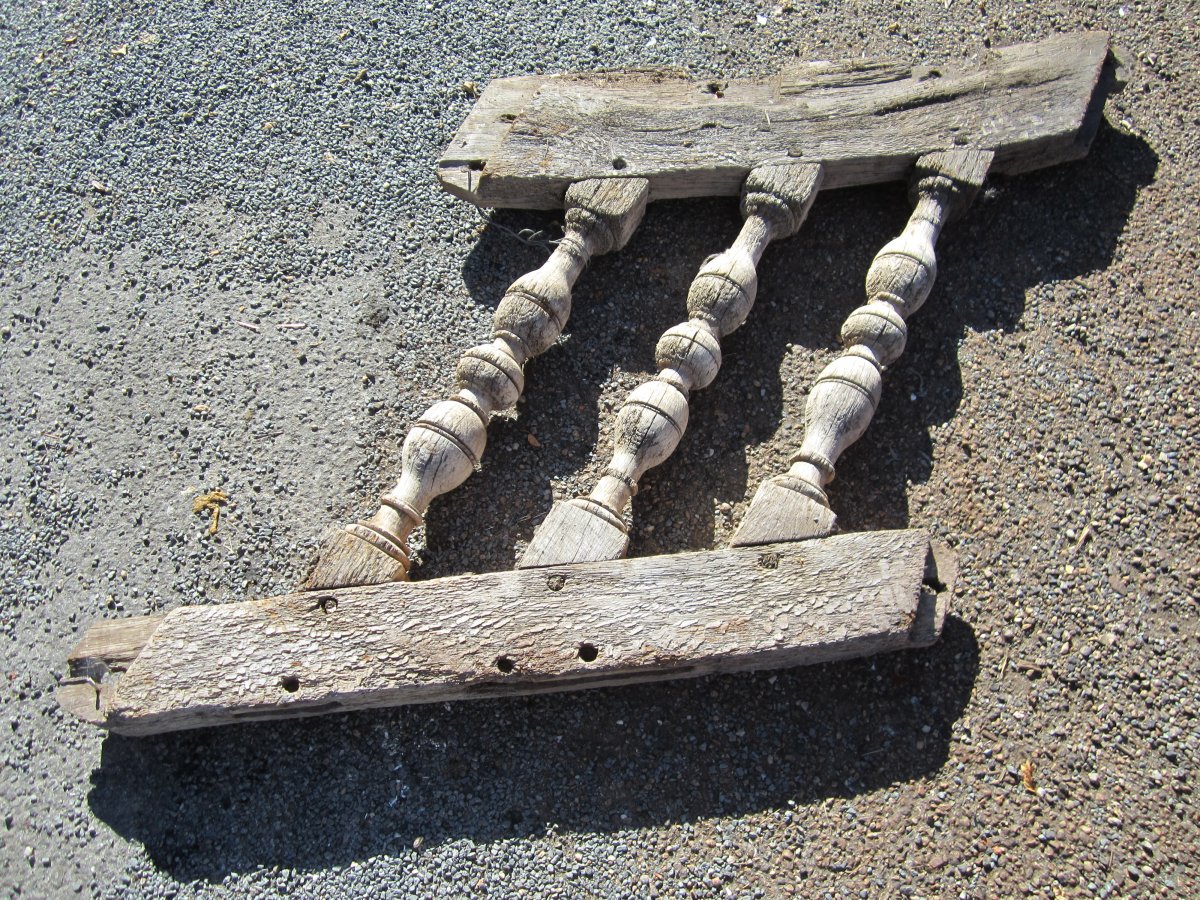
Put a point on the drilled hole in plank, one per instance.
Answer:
(619, 163)
(325, 603)
(556, 582)
(588, 652)
(504, 664)
(290, 683)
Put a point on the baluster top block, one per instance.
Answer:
(529, 138)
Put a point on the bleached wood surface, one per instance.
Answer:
(517, 632)
(865, 121)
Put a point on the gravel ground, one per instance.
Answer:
(173, 170)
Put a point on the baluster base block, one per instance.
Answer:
(351, 557)
(782, 513)
(575, 531)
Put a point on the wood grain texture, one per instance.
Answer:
(793, 506)
(519, 632)
(528, 138)
(650, 424)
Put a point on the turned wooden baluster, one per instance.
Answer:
(444, 446)
(775, 202)
(793, 506)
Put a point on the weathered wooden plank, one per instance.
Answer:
(1034, 105)
(525, 631)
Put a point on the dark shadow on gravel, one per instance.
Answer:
(1046, 226)
(1031, 230)
(311, 794)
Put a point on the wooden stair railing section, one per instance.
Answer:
(793, 506)
(363, 636)
(445, 445)
(650, 424)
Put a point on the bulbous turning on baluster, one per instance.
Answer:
(903, 272)
(722, 293)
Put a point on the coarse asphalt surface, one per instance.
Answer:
(172, 170)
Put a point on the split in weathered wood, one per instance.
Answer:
(444, 446)
(518, 632)
(794, 506)
(650, 424)
(529, 138)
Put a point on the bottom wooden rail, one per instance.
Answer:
(504, 633)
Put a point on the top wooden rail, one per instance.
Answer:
(528, 138)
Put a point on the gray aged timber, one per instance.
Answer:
(528, 138)
(517, 632)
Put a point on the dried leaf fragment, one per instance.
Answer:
(1027, 769)
(533, 441)
(211, 502)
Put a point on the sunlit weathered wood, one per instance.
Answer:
(444, 446)
(519, 632)
(865, 121)
(650, 424)
(794, 506)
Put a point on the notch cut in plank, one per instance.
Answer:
(529, 137)
(526, 631)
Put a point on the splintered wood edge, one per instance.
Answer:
(511, 633)
(528, 137)
(107, 648)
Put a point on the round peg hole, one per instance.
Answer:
(505, 664)
(290, 683)
(588, 652)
